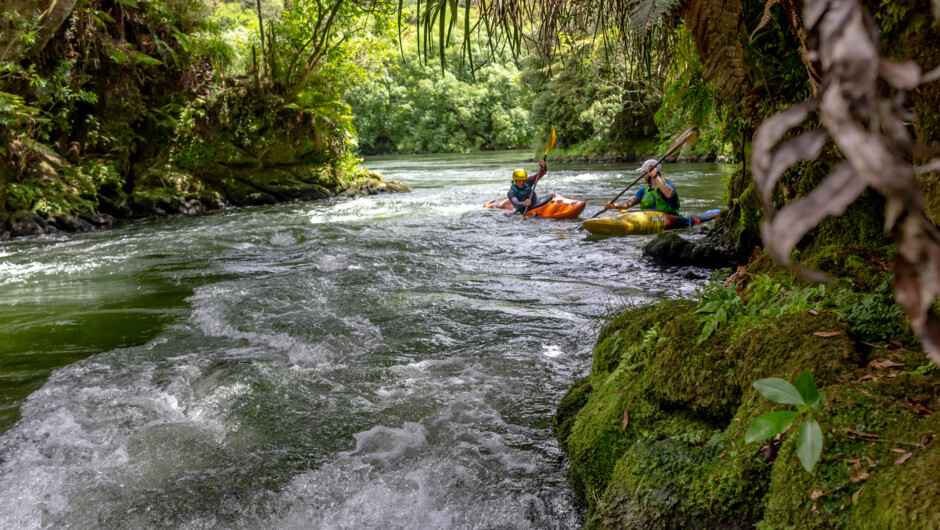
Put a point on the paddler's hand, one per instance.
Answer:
(528, 202)
(610, 206)
(542, 164)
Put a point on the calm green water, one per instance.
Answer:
(381, 362)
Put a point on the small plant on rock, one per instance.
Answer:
(807, 399)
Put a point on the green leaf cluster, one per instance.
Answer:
(804, 395)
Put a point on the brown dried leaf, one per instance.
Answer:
(925, 439)
(617, 332)
(856, 473)
(806, 146)
(813, 312)
(903, 459)
(866, 377)
(831, 197)
(862, 434)
(816, 495)
(884, 363)
(905, 76)
(898, 450)
(856, 494)
(896, 343)
(626, 420)
(768, 15)
(769, 133)
(827, 333)
(917, 283)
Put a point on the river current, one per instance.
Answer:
(391, 361)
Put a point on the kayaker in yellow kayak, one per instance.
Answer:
(521, 193)
(658, 194)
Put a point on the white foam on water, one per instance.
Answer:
(283, 239)
(394, 480)
(209, 315)
(99, 428)
(551, 350)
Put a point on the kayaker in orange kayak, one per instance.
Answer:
(521, 193)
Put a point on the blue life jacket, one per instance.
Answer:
(524, 192)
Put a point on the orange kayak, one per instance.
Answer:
(558, 207)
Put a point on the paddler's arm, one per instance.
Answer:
(625, 205)
(514, 199)
(667, 190)
(542, 170)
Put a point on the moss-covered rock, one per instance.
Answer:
(655, 433)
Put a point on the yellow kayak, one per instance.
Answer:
(644, 222)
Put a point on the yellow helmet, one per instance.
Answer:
(519, 174)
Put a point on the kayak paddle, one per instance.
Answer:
(551, 143)
(685, 139)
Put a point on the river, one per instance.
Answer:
(391, 361)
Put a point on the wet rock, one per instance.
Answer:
(26, 224)
(5, 235)
(117, 207)
(98, 219)
(70, 223)
(212, 203)
(146, 207)
(671, 249)
(193, 206)
(259, 199)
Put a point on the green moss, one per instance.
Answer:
(572, 402)
(679, 460)
(886, 494)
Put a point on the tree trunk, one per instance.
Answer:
(49, 23)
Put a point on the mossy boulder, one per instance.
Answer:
(655, 433)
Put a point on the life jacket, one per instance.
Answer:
(652, 200)
(523, 193)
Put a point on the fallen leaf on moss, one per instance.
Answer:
(827, 333)
(894, 373)
(903, 459)
(813, 312)
(884, 363)
(856, 460)
(896, 343)
(871, 345)
(899, 450)
(872, 377)
(626, 420)
(856, 494)
(856, 473)
(862, 434)
(925, 439)
(816, 494)
(617, 332)
(920, 399)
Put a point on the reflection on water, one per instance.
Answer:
(381, 362)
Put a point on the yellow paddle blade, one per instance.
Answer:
(551, 141)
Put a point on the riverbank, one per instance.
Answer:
(171, 201)
(655, 432)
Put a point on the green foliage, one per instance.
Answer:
(805, 396)
(403, 105)
(717, 305)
